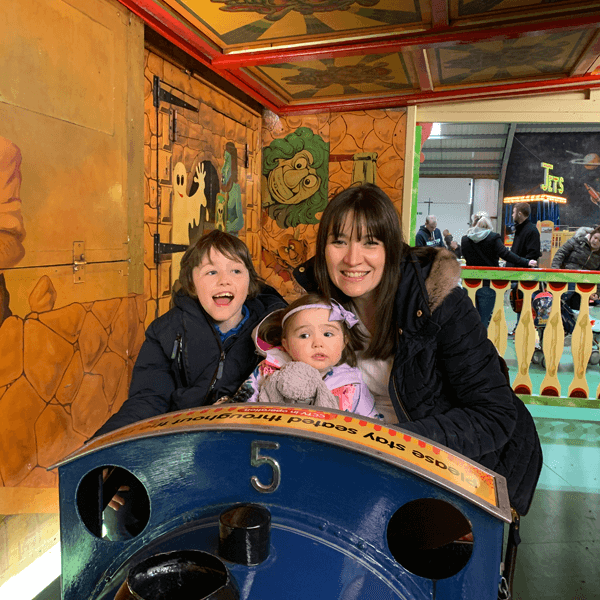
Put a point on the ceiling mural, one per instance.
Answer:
(507, 59)
(298, 56)
(354, 75)
(235, 23)
(470, 8)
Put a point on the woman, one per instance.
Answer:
(582, 251)
(481, 247)
(428, 361)
(579, 253)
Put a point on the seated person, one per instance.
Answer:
(428, 361)
(202, 348)
(310, 358)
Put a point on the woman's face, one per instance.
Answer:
(595, 241)
(355, 266)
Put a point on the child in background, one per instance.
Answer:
(310, 358)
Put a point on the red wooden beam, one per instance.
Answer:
(239, 78)
(469, 94)
(587, 58)
(441, 38)
(439, 14)
(421, 64)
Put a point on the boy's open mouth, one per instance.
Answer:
(223, 299)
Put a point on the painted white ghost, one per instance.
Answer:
(185, 209)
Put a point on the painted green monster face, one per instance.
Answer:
(226, 170)
(294, 180)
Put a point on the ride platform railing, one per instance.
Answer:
(583, 387)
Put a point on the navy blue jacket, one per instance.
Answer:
(424, 237)
(448, 383)
(183, 364)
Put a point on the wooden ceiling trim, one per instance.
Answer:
(177, 33)
(421, 65)
(440, 16)
(457, 95)
(448, 37)
(171, 28)
(588, 58)
(248, 79)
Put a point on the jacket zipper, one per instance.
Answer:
(399, 400)
(177, 356)
(219, 372)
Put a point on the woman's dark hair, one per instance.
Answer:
(272, 331)
(373, 215)
(226, 244)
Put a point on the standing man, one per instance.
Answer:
(429, 234)
(526, 243)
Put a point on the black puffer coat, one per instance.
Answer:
(577, 254)
(182, 363)
(448, 383)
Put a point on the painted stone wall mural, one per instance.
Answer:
(71, 311)
(200, 173)
(231, 193)
(12, 230)
(306, 161)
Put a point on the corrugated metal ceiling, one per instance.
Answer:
(480, 150)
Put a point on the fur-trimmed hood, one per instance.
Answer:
(439, 269)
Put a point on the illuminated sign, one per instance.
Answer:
(552, 183)
(535, 198)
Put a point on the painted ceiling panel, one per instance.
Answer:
(474, 8)
(310, 55)
(355, 75)
(534, 56)
(233, 23)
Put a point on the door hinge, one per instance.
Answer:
(79, 262)
(160, 249)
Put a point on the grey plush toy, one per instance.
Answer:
(297, 382)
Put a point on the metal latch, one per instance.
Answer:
(79, 262)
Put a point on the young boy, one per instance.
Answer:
(201, 349)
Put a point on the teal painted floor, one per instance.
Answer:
(559, 556)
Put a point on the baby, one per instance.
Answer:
(310, 358)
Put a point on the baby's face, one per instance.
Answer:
(313, 339)
(222, 287)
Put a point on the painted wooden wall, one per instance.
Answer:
(201, 170)
(322, 154)
(71, 310)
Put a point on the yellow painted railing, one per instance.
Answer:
(583, 382)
